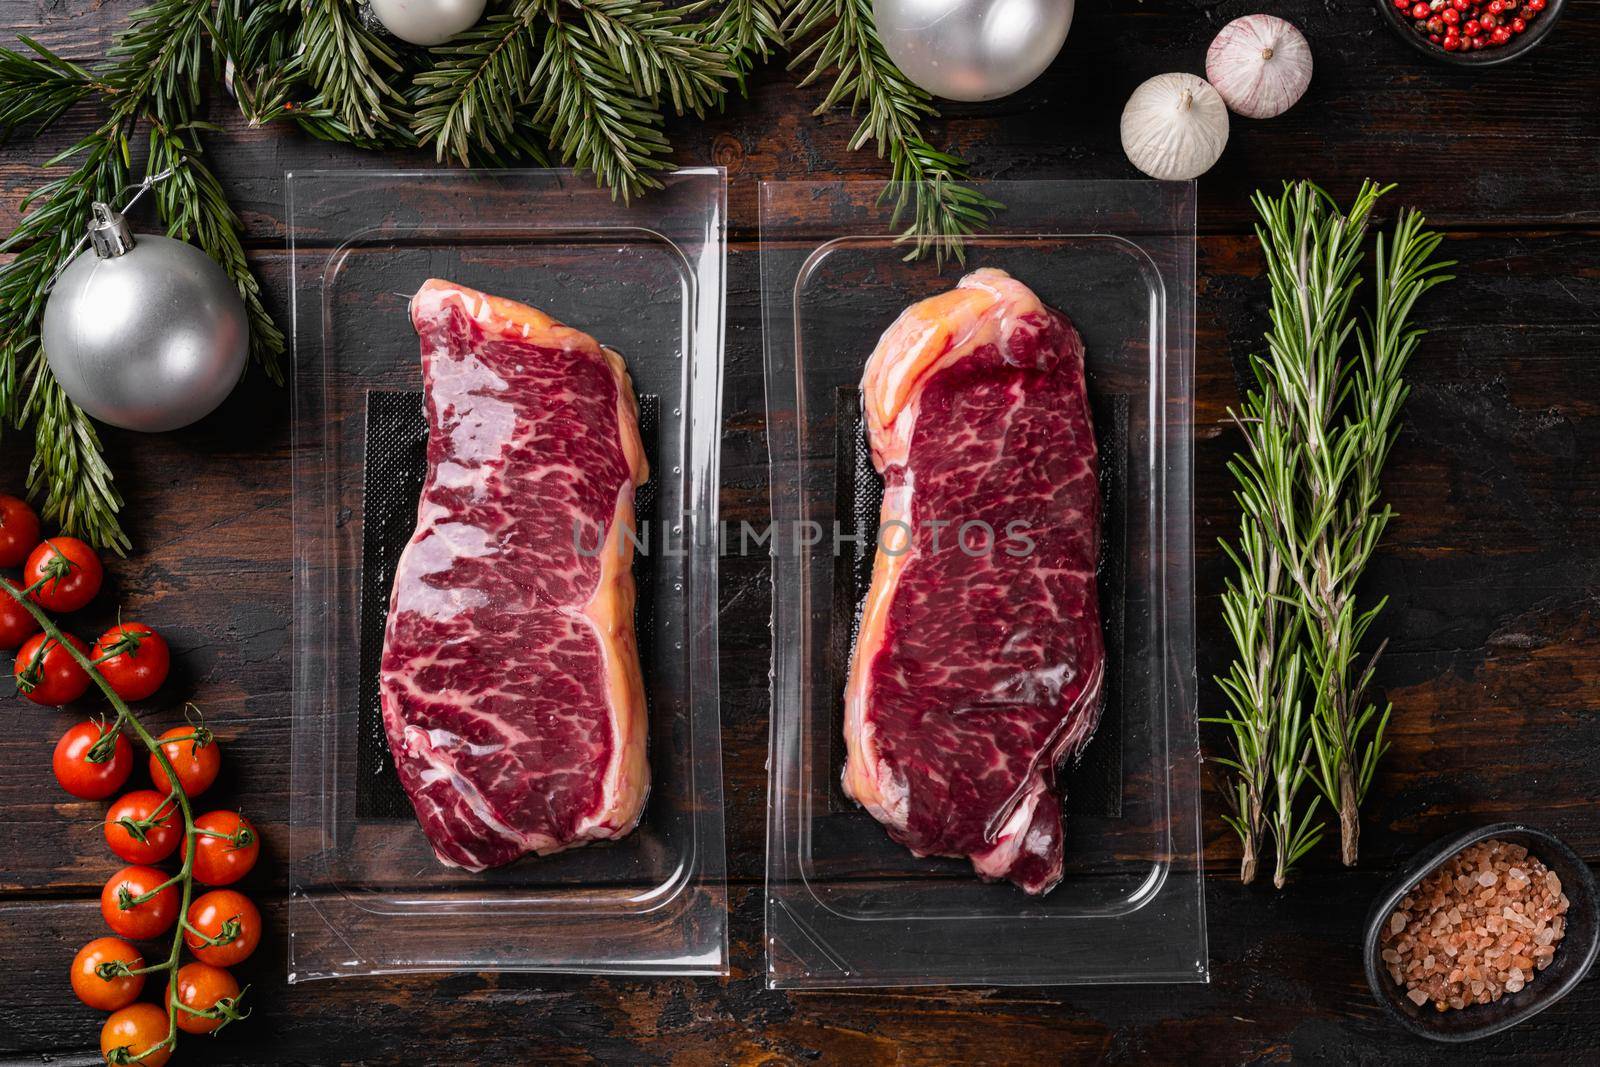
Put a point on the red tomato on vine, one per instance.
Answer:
(17, 623)
(19, 530)
(47, 673)
(84, 766)
(135, 919)
(98, 991)
(70, 573)
(194, 756)
(226, 847)
(218, 915)
(133, 658)
(203, 987)
(137, 1028)
(144, 826)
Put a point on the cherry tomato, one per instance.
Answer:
(82, 777)
(140, 922)
(195, 761)
(19, 530)
(144, 843)
(226, 859)
(16, 624)
(201, 986)
(133, 658)
(47, 673)
(107, 994)
(137, 1028)
(73, 571)
(216, 914)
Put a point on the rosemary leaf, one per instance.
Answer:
(1318, 428)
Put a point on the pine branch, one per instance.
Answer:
(650, 43)
(746, 31)
(37, 89)
(348, 69)
(158, 61)
(194, 208)
(472, 99)
(154, 73)
(68, 472)
(838, 36)
(596, 120)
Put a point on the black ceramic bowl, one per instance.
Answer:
(1525, 42)
(1574, 955)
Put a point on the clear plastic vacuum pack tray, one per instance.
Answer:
(846, 904)
(368, 895)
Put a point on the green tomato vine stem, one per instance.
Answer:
(126, 719)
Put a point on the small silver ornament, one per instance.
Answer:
(972, 49)
(427, 22)
(147, 335)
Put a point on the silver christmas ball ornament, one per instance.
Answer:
(972, 49)
(148, 334)
(427, 22)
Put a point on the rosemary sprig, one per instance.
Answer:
(1318, 427)
(928, 186)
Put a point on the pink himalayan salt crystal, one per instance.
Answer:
(1481, 925)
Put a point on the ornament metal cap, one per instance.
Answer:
(109, 232)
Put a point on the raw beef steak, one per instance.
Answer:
(510, 684)
(976, 673)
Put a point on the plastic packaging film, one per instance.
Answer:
(977, 676)
(368, 895)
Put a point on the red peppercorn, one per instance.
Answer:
(1469, 25)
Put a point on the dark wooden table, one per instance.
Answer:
(1492, 569)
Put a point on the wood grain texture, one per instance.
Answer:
(1491, 566)
(1515, 146)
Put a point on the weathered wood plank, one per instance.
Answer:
(1490, 566)
(1513, 146)
(1491, 623)
(1274, 997)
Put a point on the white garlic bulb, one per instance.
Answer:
(1174, 127)
(1260, 65)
